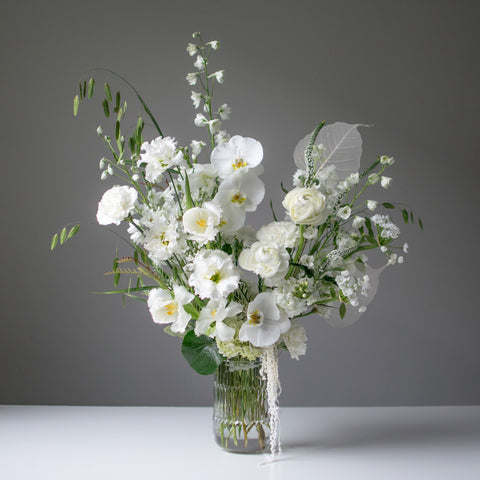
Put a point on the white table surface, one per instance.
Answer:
(144, 443)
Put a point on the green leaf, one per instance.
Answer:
(116, 279)
(91, 84)
(108, 92)
(54, 242)
(84, 90)
(76, 103)
(405, 216)
(188, 195)
(411, 217)
(388, 205)
(201, 353)
(273, 211)
(63, 236)
(189, 308)
(80, 92)
(117, 102)
(132, 144)
(168, 330)
(420, 223)
(73, 231)
(283, 188)
(342, 310)
(106, 109)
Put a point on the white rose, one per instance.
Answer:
(295, 340)
(269, 261)
(306, 206)
(116, 204)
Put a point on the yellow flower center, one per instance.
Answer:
(202, 223)
(170, 308)
(239, 163)
(238, 198)
(255, 318)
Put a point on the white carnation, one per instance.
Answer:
(160, 154)
(280, 233)
(214, 275)
(116, 204)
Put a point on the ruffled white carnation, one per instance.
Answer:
(214, 275)
(160, 154)
(166, 308)
(116, 204)
(284, 234)
(161, 239)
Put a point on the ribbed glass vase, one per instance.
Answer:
(240, 409)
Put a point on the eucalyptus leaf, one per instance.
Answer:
(201, 353)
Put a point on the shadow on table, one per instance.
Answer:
(388, 434)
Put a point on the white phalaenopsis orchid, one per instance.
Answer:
(211, 319)
(237, 154)
(264, 323)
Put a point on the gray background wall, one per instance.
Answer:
(409, 68)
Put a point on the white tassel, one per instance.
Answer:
(270, 371)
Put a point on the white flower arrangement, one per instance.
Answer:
(195, 262)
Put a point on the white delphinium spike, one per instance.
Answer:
(224, 112)
(192, 49)
(196, 98)
(192, 78)
(386, 182)
(219, 76)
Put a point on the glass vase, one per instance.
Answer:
(240, 409)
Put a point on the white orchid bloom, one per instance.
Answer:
(201, 223)
(237, 154)
(215, 312)
(264, 323)
(167, 309)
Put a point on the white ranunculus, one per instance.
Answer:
(264, 323)
(116, 204)
(211, 319)
(280, 233)
(295, 340)
(214, 275)
(238, 153)
(202, 222)
(270, 261)
(160, 154)
(167, 309)
(306, 206)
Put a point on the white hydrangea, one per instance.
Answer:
(116, 204)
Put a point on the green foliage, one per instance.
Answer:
(201, 353)
(76, 103)
(342, 310)
(388, 205)
(63, 235)
(91, 85)
(108, 92)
